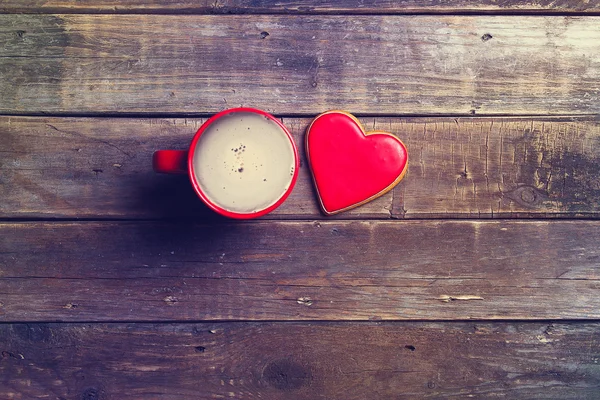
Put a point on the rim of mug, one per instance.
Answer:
(198, 189)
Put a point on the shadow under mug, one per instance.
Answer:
(243, 163)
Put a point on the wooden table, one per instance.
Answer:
(477, 277)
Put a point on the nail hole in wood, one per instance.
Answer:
(486, 37)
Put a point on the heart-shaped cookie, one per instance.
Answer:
(350, 166)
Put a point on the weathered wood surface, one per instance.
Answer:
(435, 270)
(466, 167)
(300, 361)
(299, 65)
(298, 6)
(381, 66)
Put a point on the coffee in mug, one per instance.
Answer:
(243, 163)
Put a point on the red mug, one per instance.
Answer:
(243, 163)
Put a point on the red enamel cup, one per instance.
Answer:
(243, 163)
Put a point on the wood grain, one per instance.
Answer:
(433, 270)
(300, 361)
(298, 6)
(458, 168)
(385, 65)
(303, 65)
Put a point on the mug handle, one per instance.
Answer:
(170, 161)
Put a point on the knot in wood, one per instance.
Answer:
(526, 196)
(91, 394)
(286, 375)
(307, 301)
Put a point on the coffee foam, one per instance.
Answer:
(244, 162)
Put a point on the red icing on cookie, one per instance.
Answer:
(351, 167)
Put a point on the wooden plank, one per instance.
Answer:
(300, 361)
(136, 271)
(467, 167)
(303, 65)
(298, 6)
